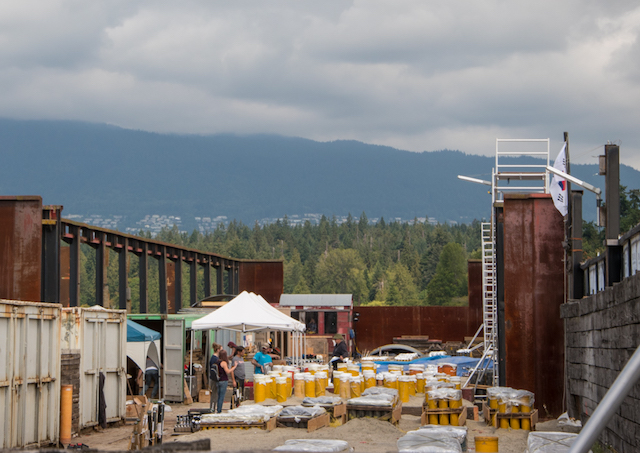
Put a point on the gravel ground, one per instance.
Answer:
(363, 434)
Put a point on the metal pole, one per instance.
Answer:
(612, 400)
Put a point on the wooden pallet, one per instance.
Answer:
(310, 424)
(385, 413)
(337, 412)
(461, 412)
(269, 425)
(492, 417)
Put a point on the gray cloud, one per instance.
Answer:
(410, 74)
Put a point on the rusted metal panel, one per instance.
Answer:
(533, 293)
(29, 374)
(101, 337)
(20, 247)
(475, 290)
(379, 325)
(264, 278)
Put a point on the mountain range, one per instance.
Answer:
(110, 171)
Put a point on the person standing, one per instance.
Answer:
(151, 374)
(339, 351)
(214, 376)
(238, 374)
(261, 359)
(225, 372)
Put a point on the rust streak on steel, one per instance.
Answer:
(20, 247)
(534, 291)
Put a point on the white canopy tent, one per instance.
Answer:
(249, 312)
(142, 342)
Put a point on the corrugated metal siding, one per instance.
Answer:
(29, 374)
(100, 336)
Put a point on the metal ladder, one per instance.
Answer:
(489, 300)
(489, 312)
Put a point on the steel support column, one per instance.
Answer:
(576, 276)
(220, 277)
(193, 281)
(178, 282)
(74, 266)
(233, 280)
(101, 268)
(143, 275)
(612, 182)
(123, 268)
(207, 276)
(162, 278)
(50, 278)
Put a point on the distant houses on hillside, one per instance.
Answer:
(154, 223)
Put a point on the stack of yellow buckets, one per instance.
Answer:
(277, 384)
(350, 380)
(510, 401)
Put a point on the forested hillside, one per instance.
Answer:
(383, 263)
(96, 169)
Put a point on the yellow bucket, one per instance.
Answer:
(486, 444)
(309, 386)
(260, 389)
(282, 390)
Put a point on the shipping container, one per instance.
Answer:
(175, 354)
(172, 342)
(100, 336)
(29, 374)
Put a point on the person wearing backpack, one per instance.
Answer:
(214, 376)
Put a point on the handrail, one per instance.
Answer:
(607, 408)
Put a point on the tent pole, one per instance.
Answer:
(191, 356)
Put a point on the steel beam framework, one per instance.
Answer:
(74, 234)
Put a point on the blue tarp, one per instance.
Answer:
(138, 332)
(463, 363)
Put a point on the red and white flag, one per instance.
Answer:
(558, 186)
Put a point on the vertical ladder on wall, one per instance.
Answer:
(489, 299)
(489, 325)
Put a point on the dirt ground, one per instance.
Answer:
(362, 434)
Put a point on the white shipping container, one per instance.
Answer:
(29, 374)
(100, 335)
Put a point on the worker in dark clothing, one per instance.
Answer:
(151, 374)
(339, 351)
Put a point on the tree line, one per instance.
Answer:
(381, 263)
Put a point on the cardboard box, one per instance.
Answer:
(135, 405)
(204, 396)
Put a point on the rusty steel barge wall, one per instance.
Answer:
(533, 292)
(20, 247)
(378, 326)
(602, 332)
(264, 278)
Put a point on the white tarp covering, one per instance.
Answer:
(245, 313)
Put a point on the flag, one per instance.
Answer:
(558, 185)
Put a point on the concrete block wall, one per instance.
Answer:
(601, 333)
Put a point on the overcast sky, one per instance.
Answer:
(414, 75)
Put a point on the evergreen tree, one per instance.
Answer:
(450, 279)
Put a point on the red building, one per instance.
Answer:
(323, 314)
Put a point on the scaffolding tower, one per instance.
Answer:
(508, 176)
